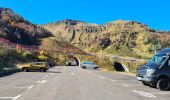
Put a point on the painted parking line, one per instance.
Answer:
(15, 98)
(30, 87)
(42, 81)
(12, 98)
(125, 85)
(23, 87)
(144, 94)
(131, 85)
(112, 80)
(72, 73)
(103, 77)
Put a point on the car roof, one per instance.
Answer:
(164, 51)
(87, 62)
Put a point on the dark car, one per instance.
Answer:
(157, 71)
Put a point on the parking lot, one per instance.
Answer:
(73, 83)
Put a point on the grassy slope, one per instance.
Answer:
(127, 38)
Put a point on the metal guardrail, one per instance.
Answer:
(8, 71)
(65, 50)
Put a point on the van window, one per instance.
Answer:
(158, 59)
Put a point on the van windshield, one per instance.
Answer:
(158, 59)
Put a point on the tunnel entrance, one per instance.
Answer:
(73, 61)
(119, 67)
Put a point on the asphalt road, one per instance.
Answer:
(73, 83)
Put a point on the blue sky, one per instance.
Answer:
(154, 13)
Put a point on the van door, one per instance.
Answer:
(166, 67)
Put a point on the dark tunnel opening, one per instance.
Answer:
(119, 67)
(73, 61)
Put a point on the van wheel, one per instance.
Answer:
(24, 69)
(163, 84)
(42, 70)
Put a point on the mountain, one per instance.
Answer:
(125, 38)
(15, 29)
(18, 30)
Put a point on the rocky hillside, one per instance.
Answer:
(125, 38)
(18, 30)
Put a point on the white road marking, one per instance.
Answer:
(42, 81)
(145, 94)
(30, 87)
(103, 77)
(13, 98)
(130, 85)
(125, 85)
(72, 73)
(111, 80)
(7, 97)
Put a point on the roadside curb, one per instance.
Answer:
(8, 71)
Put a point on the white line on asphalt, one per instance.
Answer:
(30, 87)
(111, 80)
(7, 97)
(125, 85)
(15, 98)
(42, 81)
(72, 73)
(103, 77)
(145, 94)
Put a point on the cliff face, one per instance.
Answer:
(18, 30)
(126, 38)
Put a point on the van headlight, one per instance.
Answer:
(150, 71)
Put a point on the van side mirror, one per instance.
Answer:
(168, 62)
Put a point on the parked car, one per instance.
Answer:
(71, 63)
(89, 65)
(40, 66)
(157, 71)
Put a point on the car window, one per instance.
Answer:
(88, 63)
